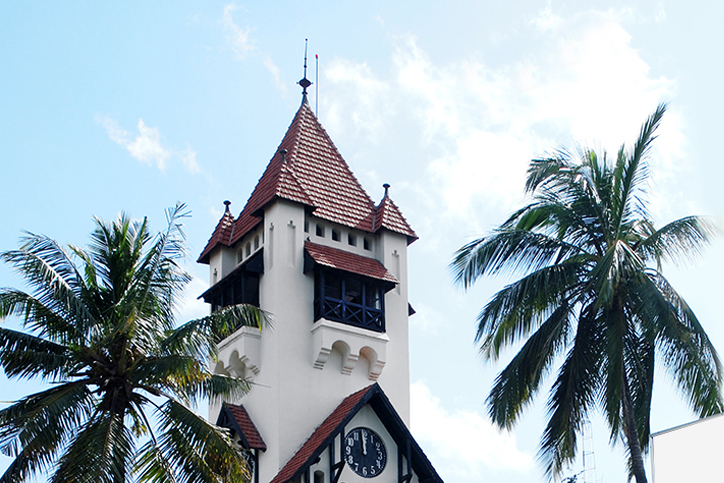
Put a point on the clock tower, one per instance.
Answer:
(330, 389)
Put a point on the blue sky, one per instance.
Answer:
(123, 106)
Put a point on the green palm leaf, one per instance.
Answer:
(591, 286)
(99, 325)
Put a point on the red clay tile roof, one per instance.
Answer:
(349, 262)
(222, 232)
(244, 426)
(389, 216)
(311, 172)
(320, 435)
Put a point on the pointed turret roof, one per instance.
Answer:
(307, 168)
(389, 216)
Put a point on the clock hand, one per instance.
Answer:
(364, 444)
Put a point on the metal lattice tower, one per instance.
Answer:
(589, 457)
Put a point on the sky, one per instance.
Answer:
(133, 106)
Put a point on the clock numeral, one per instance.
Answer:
(365, 452)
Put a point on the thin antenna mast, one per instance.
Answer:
(305, 82)
(306, 43)
(316, 88)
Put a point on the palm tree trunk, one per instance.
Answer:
(632, 436)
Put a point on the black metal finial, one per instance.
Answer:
(305, 82)
(227, 203)
(386, 186)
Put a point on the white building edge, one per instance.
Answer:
(689, 452)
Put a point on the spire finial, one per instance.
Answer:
(305, 82)
(227, 203)
(386, 186)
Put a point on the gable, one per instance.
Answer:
(325, 449)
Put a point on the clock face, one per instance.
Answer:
(365, 452)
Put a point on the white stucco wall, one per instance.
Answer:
(290, 397)
(692, 452)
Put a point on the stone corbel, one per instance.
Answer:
(322, 357)
(352, 342)
(348, 363)
(245, 344)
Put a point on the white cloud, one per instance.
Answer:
(660, 15)
(463, 444)
(239, 37)
(546, 20)
(116, 132)
(479, 124)
(189, 160)
(275, 74)
(244, 45)
(146, 145)
(360, 98)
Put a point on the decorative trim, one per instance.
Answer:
(356, 341)
(246, 342)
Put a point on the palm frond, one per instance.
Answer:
(58, 287)
(572, 394)
(198, 337)
(682, 239)
(35, 429)
(686, 350)
(24, 355)
(200, 451)
(507, 251)
(102, 452)
(520, 307)
(516, 385)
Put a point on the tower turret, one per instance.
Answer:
(312, 248)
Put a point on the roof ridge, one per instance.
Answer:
(323, 131)
(340, 416)
(236, 417)
(325, 434)
(389, 210)
(313, 174)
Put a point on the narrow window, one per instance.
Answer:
(256, 242)
(320, 230)
(352, 240)
(335, 235)
(239, 255)
(248, 249)
(367, 243)
(306, 226)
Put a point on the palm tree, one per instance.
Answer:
(99, 326)
(592, 301)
